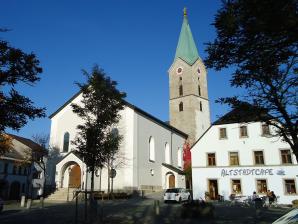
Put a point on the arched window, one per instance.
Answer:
(180, 106)
(66, 142)
(151, 149)
(199, 90)
(179, 157)
(201, 107)
(180, 90)
(167, 154)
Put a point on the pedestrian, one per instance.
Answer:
(254, 196)
(272, 198)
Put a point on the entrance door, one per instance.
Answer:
(171, 181)
(213, 189)
(75, 177)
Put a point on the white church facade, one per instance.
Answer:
(240, 156)
(149, 158)
(151, 152)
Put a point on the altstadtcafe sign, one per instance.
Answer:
(251, 172)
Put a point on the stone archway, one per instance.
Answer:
(71, 175)
(75, 176)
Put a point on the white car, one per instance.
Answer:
(177, 194)
(289, 218)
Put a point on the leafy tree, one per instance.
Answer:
(99, 109)
(260, 40)
(15, 109)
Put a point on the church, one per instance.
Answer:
(151, 153)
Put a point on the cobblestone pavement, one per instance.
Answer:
(133, 211)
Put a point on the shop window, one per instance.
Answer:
(261, 186)
(211, 159)
(265, 130)
(290, 186)
(259, 157)
(234, 159)
(243, 132)
(286, 156)
(222, 133)
(236, 187)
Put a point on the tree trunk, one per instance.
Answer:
(109, 179)
(100, 179)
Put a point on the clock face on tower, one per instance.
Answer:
(179, 70)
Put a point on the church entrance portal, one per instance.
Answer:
(75, 176)
(171, 181)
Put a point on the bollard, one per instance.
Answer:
(143, 193)
(41, 200)
(76, 211)
(156, 205)
(29, 203)
(23, 200)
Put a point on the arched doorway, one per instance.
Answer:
(171, 181)
(75, 176)
(14, 193)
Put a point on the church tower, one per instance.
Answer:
(189, 104)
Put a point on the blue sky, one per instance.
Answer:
(133, 41)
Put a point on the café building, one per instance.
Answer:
(239, 155)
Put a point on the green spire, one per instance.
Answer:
(186, 48)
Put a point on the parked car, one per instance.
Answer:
(177, 194)
(290, 218)
(1, 204)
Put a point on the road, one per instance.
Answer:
(135, 210)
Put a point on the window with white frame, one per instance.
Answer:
(236, 186)
(243, 131)
(286, 157)
(167, 153)
(290, 186)
(222, 133)
(151, 149)
(179, 157)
